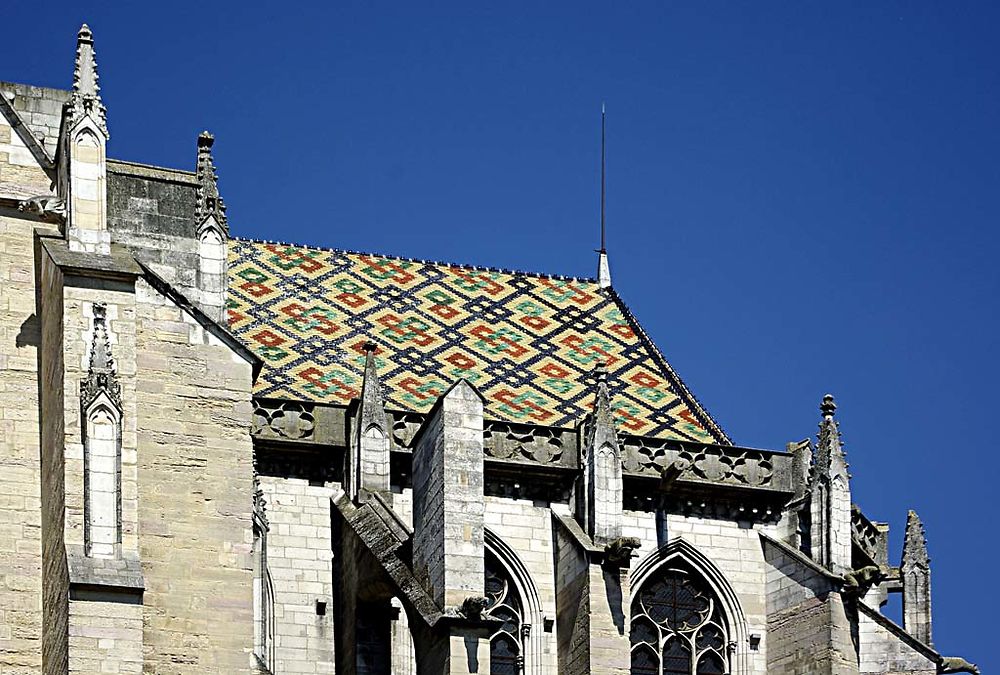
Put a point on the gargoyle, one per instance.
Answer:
(474, 606)
(956, 664)
(46, 208)
(671, 472)
(619, 551)
(858, 582)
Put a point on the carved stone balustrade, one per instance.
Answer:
(870, 540)
(683, 461)
(531, 461)
(525, 443)
(704, 480)
(287, 420)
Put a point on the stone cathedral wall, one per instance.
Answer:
(133, 526)
(885, 654)
(734, 548)
(195, 469)
(299, 557)
(20, 463)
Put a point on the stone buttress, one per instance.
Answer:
(119, 567)
(415, 476)
(592, 557)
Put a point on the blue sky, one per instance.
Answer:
(802, 197)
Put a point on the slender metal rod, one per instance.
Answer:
(603, 197)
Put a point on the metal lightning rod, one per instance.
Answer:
(603, 198)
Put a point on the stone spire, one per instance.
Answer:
(602, 468)
(86, 98)
(372, 399)
(210, 203)
(370, 465)
(81, 172)
(831, 496)
(101, 375)
(915, 572)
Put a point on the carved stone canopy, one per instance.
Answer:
(102, 377)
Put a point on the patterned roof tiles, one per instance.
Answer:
(528, 342)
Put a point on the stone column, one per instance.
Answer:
(915, 572)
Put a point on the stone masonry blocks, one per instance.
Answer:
(448, 498)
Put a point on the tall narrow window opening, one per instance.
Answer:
(507, 644)
(101, 413)
(678, 627)
(263, 589)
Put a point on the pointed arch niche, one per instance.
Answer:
(513, 597)
(101, 412)
(685, 616)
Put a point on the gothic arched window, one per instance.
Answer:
(507, 644)
(677, 626)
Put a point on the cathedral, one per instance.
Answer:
(222, 455)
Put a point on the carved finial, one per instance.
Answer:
(602, 400)
(372, 399)
(914, 543)
(85, 78)
(828, 407)
(601, 458)
(101, 376)
(829, 450)
(210, 203)
(86, 98)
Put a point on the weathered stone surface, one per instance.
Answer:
(21, 514)
(915, 571)
(448, 498)
(194, 445)
(126, 540)
(830, 510)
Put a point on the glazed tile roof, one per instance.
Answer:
(528, 342)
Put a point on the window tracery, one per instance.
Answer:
(678, 627)
(507, 644)
(263, 587)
